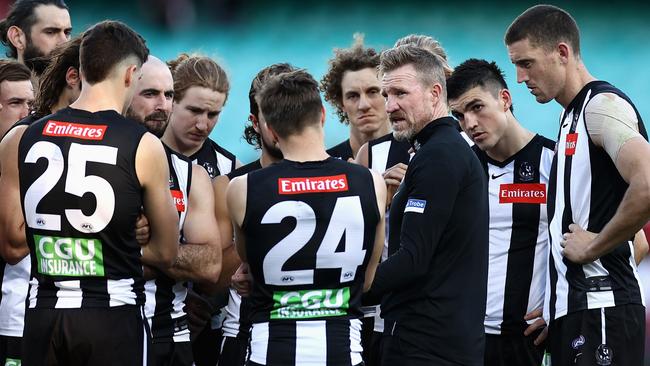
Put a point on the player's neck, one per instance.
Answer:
(515, 138)
(168, 138)
(577, 78)
(267, 159)
(63, 102)
(358, 138)
(308, 145)
(100, 96)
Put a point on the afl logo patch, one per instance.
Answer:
(578, 342)
(526, 172)
(604, 355)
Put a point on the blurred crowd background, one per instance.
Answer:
(247, 35)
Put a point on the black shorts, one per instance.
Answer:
(234, 351)
(170, 354)
(10, 350)
(373, 354)
(508, 350)
(206, 346)
(90, 336)
(612, 336)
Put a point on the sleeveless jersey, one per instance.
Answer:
(309, 229)
(586, 188)
(215, 159)
(237, 312)
(81, 198)
(165, 297)
(518, 235)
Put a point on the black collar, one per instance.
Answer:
(425, 133)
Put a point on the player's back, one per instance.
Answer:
(309, 231)
(81, 197)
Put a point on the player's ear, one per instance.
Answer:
(72, 76)
(17, 37)
(322, 116)
(505, 98)
(131, 75)
(254, 122)
(564, 51)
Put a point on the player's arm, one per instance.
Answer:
(613, 126)
(362, 156)
(640, 246)
(199, 259)
(230, 258)
(152, 170)
(421, 231)
(236, 201)
(13, 244)
(378, 247)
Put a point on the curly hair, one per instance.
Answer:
(251, 136)
(354, 58)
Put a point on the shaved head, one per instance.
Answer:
(151, 105)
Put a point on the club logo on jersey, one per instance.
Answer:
(578, 342)
(522, 193)
(526, 172)
(74, 257)
(571, 143)
(413, 205)
(179, 200)
(307, 304)
(604, 355)
(212, 172)
(333, 183)
(76, 130)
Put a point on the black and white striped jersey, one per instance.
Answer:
(81, 198)
(586, 188)
(237, 312)
(518, 235)
(165, 297)
(15, 281)
(341, 151)
(215, 159)
(383, 153)
(310, 231)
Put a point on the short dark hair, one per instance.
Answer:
(473, 73)
(105, 45)
(250, 135)
(12, 70)
(290, 102)
(545, 26)
(22, 16)
(52, 82)
(354, 58)
(428, 66)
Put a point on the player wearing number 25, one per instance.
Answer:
(311, 229)
(82, 176)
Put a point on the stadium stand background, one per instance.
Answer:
(245, 36)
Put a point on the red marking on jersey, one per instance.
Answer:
(179, 200)
(522, 193)
(76, 130)
(334, 183)
(571, 143)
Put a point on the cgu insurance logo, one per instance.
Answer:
(75, 257)
(308, 304)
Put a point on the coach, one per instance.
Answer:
(434, 282)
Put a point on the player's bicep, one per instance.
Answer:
(634, 160)
(12, 233)
(380, 232)
(236, 202)
(362, 156)
(200, 226)
(219, 185)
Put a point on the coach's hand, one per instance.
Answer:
(142, 230)
(538, 323)
(393, 177)
(242, 280)
(576, 245)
